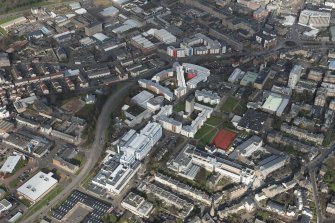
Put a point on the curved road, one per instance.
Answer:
(95, 152)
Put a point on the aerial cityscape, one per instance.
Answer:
(167, 111)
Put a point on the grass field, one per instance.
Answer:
(86, 111)
(214, 121)
(180, 106)
(202, 176)
(229, 104)
(330, 174)
(20, 165)
(7, 19)
(204, 130)
(329, 138)
(207, 139)
(205, 134)
(2, 32)
(13, 184)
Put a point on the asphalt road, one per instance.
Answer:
(312, 167)
(95, 151)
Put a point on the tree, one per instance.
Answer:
(109, 218)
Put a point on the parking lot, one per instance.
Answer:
(99, 208)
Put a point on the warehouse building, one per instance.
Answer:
(163, 35)
(249, 79)
(10, 164)
(37, 186)
(275, 104)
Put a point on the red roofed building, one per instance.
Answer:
(223, 139)
(191, 75)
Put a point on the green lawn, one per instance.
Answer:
(20, 165)
(13, 184)
(79, 159)
(2, 31)
(207, 139)
(262, 215)
(329, 137)
(206, 104)
(202, 176)
(180, 106)
(214, 121)
(330, 174)
(87, 180)
(51, 195)
(180, 141)
(229, 104)
(25, 202)
(205, 129)
(7, 19)
(224, 182)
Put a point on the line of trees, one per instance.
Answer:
(7, 5)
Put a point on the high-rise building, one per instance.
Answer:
(189, 104)
(93, 28)
(294, 76)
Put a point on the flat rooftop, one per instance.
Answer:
(37, 186)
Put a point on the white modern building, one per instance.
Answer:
(247, 148)
(275, 103)
(110, 11)
(156, 88)
(37, 186)
(142, 98)
(114, 175)
(5, 205)
(330, 3)
(207, 96)
(195, 73)
(137, 205)
(271, 164)
(10, 164)
(137, 145)
(198, 122)
(170, 124)
(201, 74)
(183, 165)
(314, 19)
(164, 36)
(236, 76)
(227, 168)
(294, 76)
(175, 126)
(199, 44)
